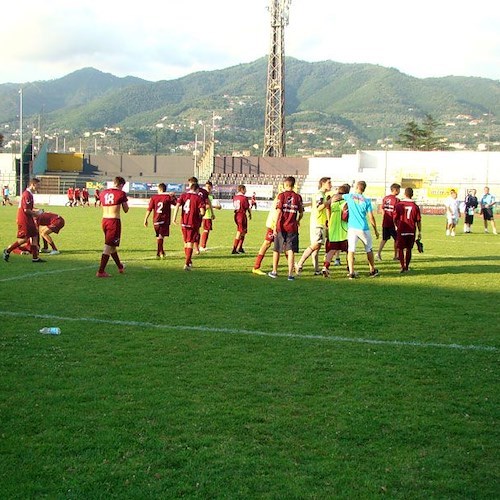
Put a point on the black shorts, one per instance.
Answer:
(487, 213)
(284, 242)
(469, 219)
(388, 233)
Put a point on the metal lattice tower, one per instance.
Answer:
(274, 134)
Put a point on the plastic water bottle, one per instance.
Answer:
(51, 330)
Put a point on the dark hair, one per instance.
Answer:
(323, 180)
(209, 183)
(395, 186)
(290, 180)
(408, 192)
(119, 181)
(162, 187)
(344, 189)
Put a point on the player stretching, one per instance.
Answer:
(160, 204)
(27, 230)
(407, 217)
(49, 223)
(193, 210)
(112, 200)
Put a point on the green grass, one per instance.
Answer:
(221, 384)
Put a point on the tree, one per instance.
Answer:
(422, 138)
(1, 141)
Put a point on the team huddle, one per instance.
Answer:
(339, 220)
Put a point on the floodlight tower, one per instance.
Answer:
(274, 134)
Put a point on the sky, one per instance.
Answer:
(164, 40)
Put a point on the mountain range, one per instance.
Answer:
(331, 108)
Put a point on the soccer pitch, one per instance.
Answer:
(217, 383)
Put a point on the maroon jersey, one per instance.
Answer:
(388, 204)
(406, 216)
(203, 194)
(191, 204)
(290, 204)
(240, 203)
(112, 196)
(160, 205)
(47, 218)
(26, 203)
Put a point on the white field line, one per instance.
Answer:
(206, 329)
(43, 273)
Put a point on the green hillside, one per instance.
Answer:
(331, 107)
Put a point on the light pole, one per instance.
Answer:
(21, 159)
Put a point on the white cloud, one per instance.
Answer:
(167, 40)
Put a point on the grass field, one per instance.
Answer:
(217, 383)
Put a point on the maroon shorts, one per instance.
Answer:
(207, 224)
(191, 234)
(405, 240)
(336, 245)
(112, 231)
(56, 224)
(241, 221)
(27, 230)
(162, 230)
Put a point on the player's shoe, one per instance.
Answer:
(234, 252)
(241, 250)
(325, 272)
(45, 250)
(452, 233)
(378, 257)
(121, 270)
(259, 272)
(448, 232)
(403, 270)
(104, 274)
(291, 278)
(163, 256)
(203, 249)
(353, 276)
(54, 252)
(374, 273)
(298, 269)
(37, 260)
(420, 246)
(187, 267)
(337, 262)
(317, 273)
(5, 255)
(272, 275)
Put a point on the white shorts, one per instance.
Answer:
(353, 235)
(451, 219)
(318, 235)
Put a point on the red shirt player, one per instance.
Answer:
(241, 208)
(193, 208)
(85, 196)
(160, 204)
(388, 229)
(407, 218)
(112, 200)
(27, 230)
(71, 197)
(49, 223)
(290, 211)
(78, 199)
